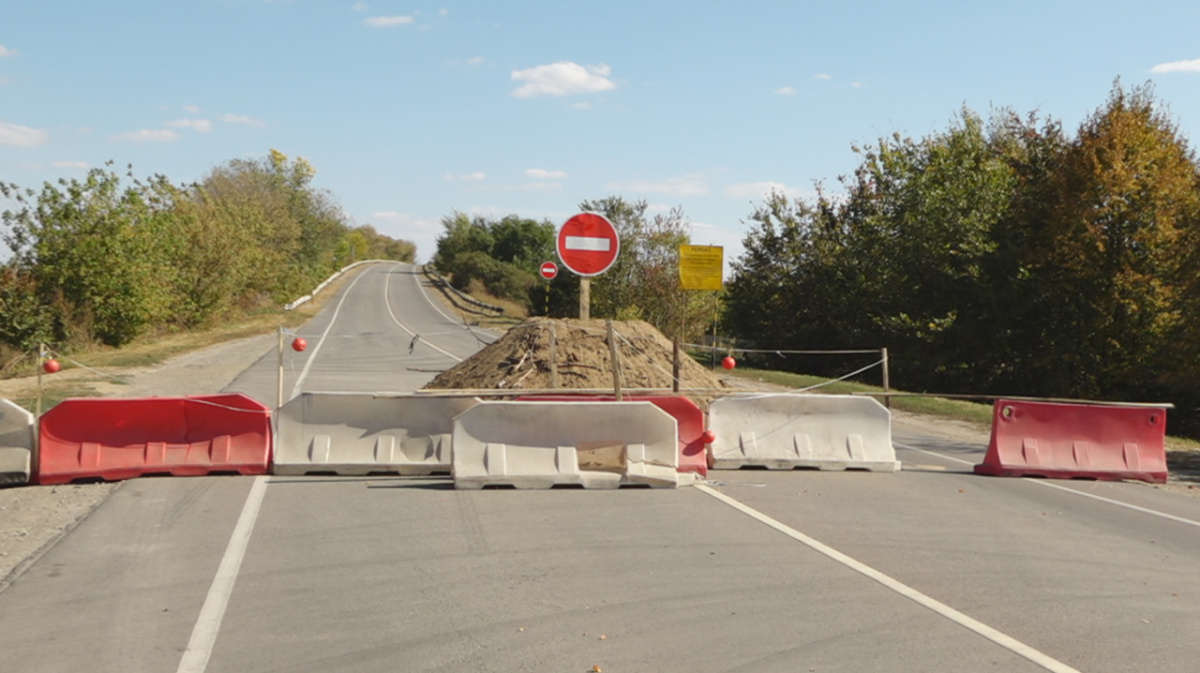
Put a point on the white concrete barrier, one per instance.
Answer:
(544, 444)
(16, 444)
(785, 431)
(361, 434)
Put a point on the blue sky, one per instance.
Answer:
(413, 110)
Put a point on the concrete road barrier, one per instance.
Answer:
(361, 434)
(689, 419)
(786, 431)
(16, 444)
(531, 445)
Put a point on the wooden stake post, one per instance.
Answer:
(616, 360)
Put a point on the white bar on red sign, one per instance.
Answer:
(588, 243)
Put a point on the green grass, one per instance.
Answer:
(959, 410)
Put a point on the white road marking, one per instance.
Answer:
(320, 342)
(208, 624)
(1008, 642)
(387, 302)
(1060, 487)
(588, 243)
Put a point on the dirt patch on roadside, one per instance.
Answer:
(522, 360)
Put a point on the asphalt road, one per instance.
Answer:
(930, 569)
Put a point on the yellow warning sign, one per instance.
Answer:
(700, 266)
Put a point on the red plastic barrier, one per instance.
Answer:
(688, 418)
(114, 439)
(1076, 441)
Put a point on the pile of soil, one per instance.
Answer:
(520, 360)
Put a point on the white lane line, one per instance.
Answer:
(387, 302)
(1136, 508)
(454, 319)
(1065, 489)
(417, 280)
(1007, 642)
(208, 624)
(321, 342)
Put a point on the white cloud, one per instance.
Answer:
(147, 135)
(856, 85)
(786, 91)
(241, 119)
(192, 109)
(542, 174)
(21, 136)
(72, 165)
(564, 78)
(469, 177)
(688, 185)
(5, 52)
(759, 191)
(582, 105)
(475, 60)
(823, 76)
(1177, 66)
(201, 125)
(443, 12)
(361, 6)
(385, 21)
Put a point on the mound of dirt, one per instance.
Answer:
(521, 359)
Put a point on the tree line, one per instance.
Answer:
(1000, 256)
(1003, 255)
(106, 258)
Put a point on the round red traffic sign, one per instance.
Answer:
(549, 270)
(588, 244)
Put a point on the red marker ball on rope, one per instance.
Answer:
(299, 344)
(51, 365)
(708, 436)
(729, 362)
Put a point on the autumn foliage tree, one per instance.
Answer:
(998, 257)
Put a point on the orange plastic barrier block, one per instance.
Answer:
(1076, 441)
(114, 439)
(688, 418)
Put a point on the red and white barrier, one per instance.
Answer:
(114, 439)
(1076, 441)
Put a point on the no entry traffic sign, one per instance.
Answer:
(549, 270)
(588, 244)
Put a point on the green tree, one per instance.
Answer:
(502, 256)
(90, 247)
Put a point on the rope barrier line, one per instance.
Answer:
(83, 366)
(781, 352)
(829, 382)
(209, 403)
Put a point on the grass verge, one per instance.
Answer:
(20, 384)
